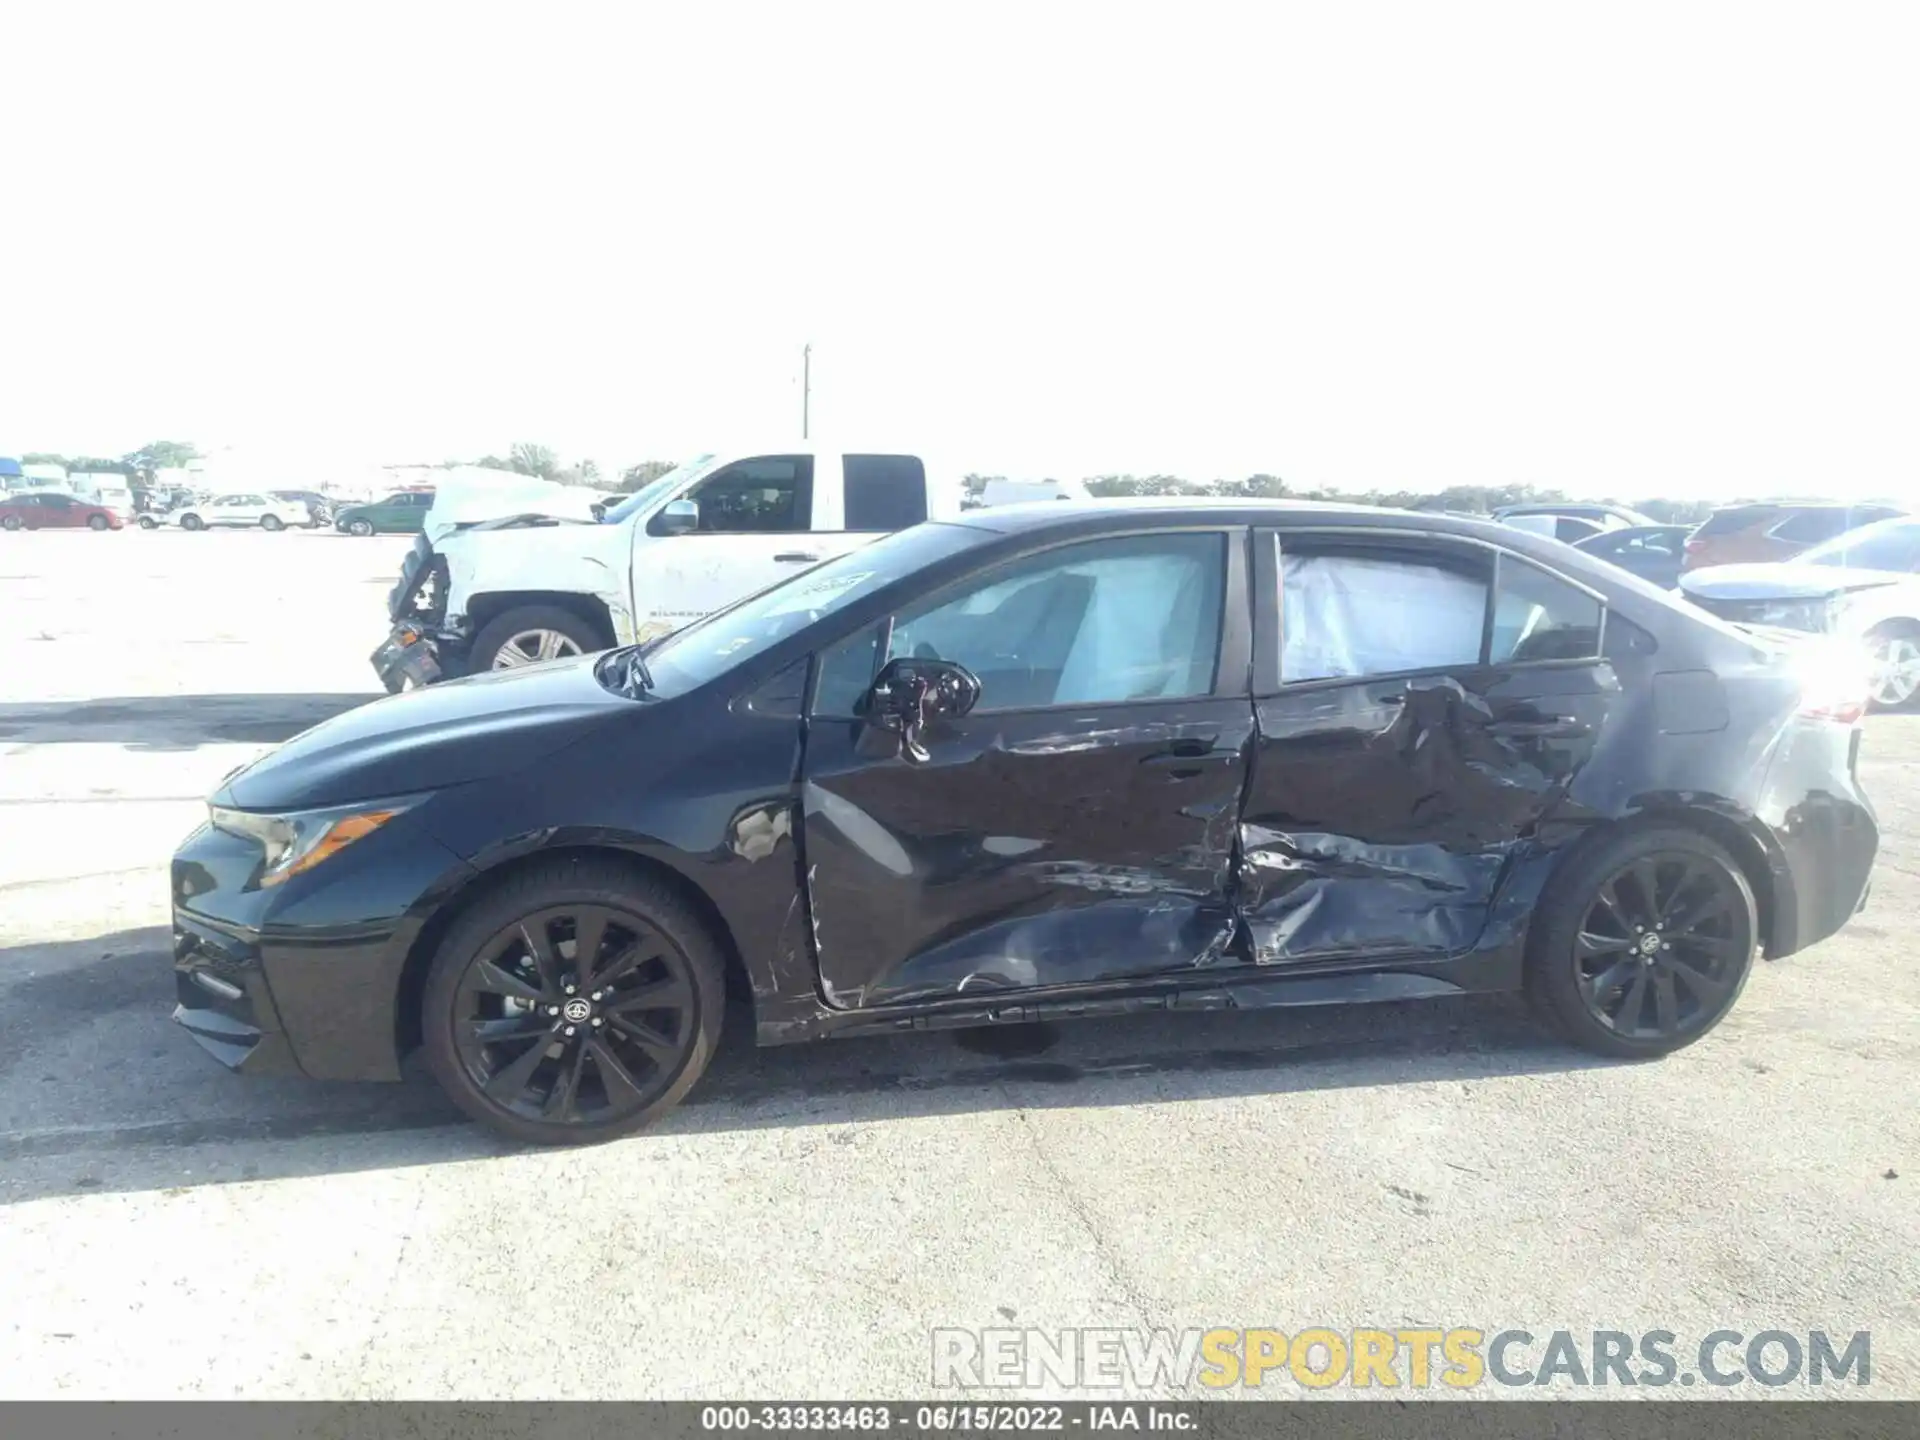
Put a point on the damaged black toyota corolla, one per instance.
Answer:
(1055, 761)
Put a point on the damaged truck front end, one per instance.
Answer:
(420, 649)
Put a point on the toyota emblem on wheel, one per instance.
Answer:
(576, 1011)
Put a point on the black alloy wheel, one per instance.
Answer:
(1647, 943)
(578, 1003)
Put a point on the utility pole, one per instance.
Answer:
(806, 385)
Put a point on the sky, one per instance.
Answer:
(1636, 250)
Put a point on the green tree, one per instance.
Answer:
(160, 455)
(531, 459)
(645, 473)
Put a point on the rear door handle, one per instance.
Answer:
(1559, 727)
(795, 557)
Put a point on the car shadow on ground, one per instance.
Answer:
(99, 1091)
(173, 722)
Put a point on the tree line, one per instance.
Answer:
(543, 461)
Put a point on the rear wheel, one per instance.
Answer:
(531, 633)
(1896, 666)
(96, 522)
(1641, 945)
(9, 522)
(579, 1002)
(360, 527)
(147, 522)
(272, 522)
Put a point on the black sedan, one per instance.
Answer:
(1054, 761)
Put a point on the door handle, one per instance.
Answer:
(1182, 754)
(794, 557)
(1559, 727)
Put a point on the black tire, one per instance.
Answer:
(192, 522)
(272, 522)
(1591, 922)
(96, 522)
(658, 915)
(10, 522)
(524, 619)
(362, 528)
(147, 522)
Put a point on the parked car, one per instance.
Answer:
(1600, 516)
(1863, 586)
(542, 581)
(319, 507)
(1741, 534)
(48, 510)
(1653, 552)
(1059, 760)
(401, 513)
(240, 509)
(1569, 529)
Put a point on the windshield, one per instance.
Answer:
(644, 498)
(1885, 545)
(714, 645)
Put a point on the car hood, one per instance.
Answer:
(473, 729)
(1781, 581)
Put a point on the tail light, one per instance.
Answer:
(1836, 682)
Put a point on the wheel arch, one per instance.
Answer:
(412, 984)
(1739, 833)
(483, 609)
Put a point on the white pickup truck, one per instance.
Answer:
(541, 583)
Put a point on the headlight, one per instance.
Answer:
(301, 840)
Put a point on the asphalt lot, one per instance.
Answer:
(800, 1226)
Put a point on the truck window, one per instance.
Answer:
(768, 495)
(885, 492)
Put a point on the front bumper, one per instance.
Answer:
(223, 1001)
(408, 660)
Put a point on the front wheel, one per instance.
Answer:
(527, 634)
(192, 522)
(1641, 945)
(1896, 667)
(272, 522)
(147, 522)
(96, 522)
(578, 1002)
(9, 522)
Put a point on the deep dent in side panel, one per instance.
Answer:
(1031, 851)
(1382, 820)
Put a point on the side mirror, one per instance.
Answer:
(910, 694)
(677, 517)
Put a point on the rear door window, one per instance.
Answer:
(884, 492)
(1350, 610)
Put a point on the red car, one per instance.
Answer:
(51, 512)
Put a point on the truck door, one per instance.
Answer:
(761, 519)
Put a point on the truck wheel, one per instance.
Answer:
(531, 633)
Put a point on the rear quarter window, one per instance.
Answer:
(1734, 519)
(1810, 527)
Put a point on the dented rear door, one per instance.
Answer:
(1421, 703)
